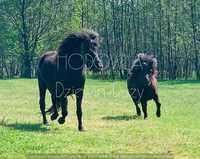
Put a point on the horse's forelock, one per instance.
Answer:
(92, 34)
(94, 37)
(148, 58)
(144, 57)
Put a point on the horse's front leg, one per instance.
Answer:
(158, 105)
(79, 97)
(64, 103)
(144, 108)
(137, 108)
(135, 98)
(42, 90)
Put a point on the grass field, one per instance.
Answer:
(109, 120)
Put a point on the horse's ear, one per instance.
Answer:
(100, 39)
(155, 63)
(136, 67)
(140, 56)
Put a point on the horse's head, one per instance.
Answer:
(80, 48)
(143, 68)
(93, 61)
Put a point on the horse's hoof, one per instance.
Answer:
(158, 114)
(54, 116)
(61, 120)
(145, 118)
(81, 129)
(46, 124)
(138, 113)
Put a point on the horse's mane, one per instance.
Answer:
(68, 42)
(147, 58)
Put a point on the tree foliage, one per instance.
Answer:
(169, 29)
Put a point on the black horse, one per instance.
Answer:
(142, 83)
(62, 72)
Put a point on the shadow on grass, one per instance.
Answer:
(121, 117)
(25, 126)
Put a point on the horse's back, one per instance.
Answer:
(47, 58)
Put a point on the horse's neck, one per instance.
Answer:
(68, 67)
(153, 80)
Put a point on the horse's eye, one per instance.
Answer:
(144, 63)
(94, 44)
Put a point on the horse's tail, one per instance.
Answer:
(50, 110)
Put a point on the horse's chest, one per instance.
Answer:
(148, 94)
(69, 84)
(71, 79)
(65, 89)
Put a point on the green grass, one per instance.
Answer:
(111, 126)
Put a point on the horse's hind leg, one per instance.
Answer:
(144, 108)
(79, 97)
(42, 90)
(54, 108)
(158, 105)
(137, 108)
(64, 103)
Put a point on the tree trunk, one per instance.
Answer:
(26, 59)
(107, 41)
(161, 58)
(134, 27)
(1, 66)
(194, 30)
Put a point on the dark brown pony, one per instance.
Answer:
(142, 83)
(62, 72)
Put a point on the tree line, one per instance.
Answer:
(169, 29)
